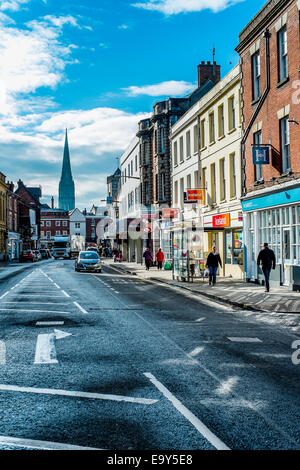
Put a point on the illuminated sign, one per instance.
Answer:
(220, 221)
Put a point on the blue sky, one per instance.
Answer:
(97, 67)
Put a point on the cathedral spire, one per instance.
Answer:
(66, 185)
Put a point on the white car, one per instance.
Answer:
(88, 261)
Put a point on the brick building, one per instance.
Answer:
(13, 234)
(54, 222)
(270, 56)
(29, 214)
(3, 217)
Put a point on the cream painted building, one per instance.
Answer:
(206, 154)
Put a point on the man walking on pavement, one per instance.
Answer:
(159, 258)
(148, 258)
(212, 263)
(267, 258)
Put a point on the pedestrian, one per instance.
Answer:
(212, 263)
(192, 258)
(148, 258)
(159, 258)
(267, 258)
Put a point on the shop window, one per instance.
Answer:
(228, 247)
(238, 251)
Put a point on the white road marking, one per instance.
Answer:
(80, 308)
(204, 431)
(56, 285)
(49, 323)
(61, 334)
(196, 351)
(199, 320)
(67, 295)
(226, 387)
(2, 353)
(45, 352)
(31, 311)
(4, 295)
(70, 393)
(244, 340)
(41, 445)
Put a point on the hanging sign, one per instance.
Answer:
(261, 155)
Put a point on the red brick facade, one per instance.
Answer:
(283, 98)
(54, 223)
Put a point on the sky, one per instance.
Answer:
(97, 67)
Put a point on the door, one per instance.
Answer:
(286, 256)
(251, 257)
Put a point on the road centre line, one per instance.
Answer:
(4, 295)
(76, 394)
(244, 340)
(39, 445)
(35, 303)
(31, 311)
(67, 295)
(203, 430)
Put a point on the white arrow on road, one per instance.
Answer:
(45, 352)
(2, 353)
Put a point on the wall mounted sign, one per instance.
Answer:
(261, 155)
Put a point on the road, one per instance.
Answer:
(110, 361)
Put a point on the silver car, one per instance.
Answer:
(88, 261)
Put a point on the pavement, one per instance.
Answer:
(114, 361)
(237, 293)
(11, 269)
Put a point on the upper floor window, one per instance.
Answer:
(231, 113)
(285, 143)
(221, 120)
(211, 128)
(282, 54)
(256, 75)
(175, 154)
(257, 140)
(188, 144)
(203, 133)
(162, 139)
(181, 149)
(77, 224)
(222, 180)
(136, 163)
(57, 223)
(196, 139)
(232, 175)
(163, 187)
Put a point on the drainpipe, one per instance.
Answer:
(266, 36)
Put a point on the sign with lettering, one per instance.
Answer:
(195, 195)
(170, 213)
(261, 155)
(220, 221)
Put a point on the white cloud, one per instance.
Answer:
(170, 88)
(12, 5)
(173, 7)
(123, 26)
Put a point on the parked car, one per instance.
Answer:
(28, 255)
(88, 261)
(92, 248)
(45, 253)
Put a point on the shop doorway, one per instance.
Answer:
(286, 256)
(251, 257)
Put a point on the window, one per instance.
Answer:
(232, 175)
(57, 232)
(181, 149)
(77, 224)
(188, 182)
(176, 192)
(65, 232)
(222, 180)
(65, 223)
(163, 186)
(203, 133)
(128, 170)
(213, 183)
(131, 170)
(57, 223)
(282, 54)
(175, 154)
(258, 168)
(211, 128)
(42, 223)
(196, 139)
(231, 113)
(196, 179)
(204, 178)
(42, 233)
(181, 191)
(162, 139)
(221, 120)
(48, 234)
(285, 143)
(256, 75)
(136, 163)
(188, 144)
(48, 223)
(146, 154)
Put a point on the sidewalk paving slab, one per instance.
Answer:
(238, 293)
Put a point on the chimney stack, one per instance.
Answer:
(208, 71)
(52, 202)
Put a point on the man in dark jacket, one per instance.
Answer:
(148, 258)
(267, 258)
(212, 263)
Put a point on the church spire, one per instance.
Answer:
(66, 185)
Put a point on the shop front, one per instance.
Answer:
(225, 232)
(13, 246)
(274, 219)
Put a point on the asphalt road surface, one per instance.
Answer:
(110, 361)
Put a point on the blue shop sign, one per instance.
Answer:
(276, 199)
(261, 155)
